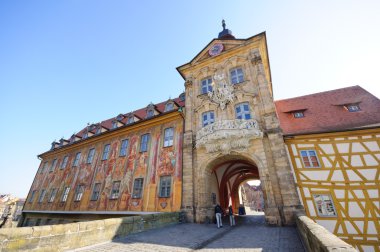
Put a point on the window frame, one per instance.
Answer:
(206, 85)
(165, 186)
(115, 192)
(53, 165)
(52, 195)
(326, 206)
(79, 191)
(210, 119)
(64, 162)
(144, 145)
(309, 158)
(138, 188)
(76, 159)
(168, 139)
(98, 192)
(90, 156)
(65, 193)
(243, 112)
(106, 151)
(31, 199)
(41, 196)
(233, 72)
(124, 149)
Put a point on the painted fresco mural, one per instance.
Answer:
(157, 161)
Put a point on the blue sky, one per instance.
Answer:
(64, 64)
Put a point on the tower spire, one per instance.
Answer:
(225, 33)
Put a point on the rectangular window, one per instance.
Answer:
(106, 151)
(123, 148)
(76, 160)
(44, 166)
(168, 137)
(165, 185)
(324, 204)
(242, 111)
(169, 106)
(144, 143)
(115, 190)
(137, 188)
(309, 158)
(298, 114)
(64, 162)
(31, 199)
(206, 85)
(52, 195)
(65, 194)
(42, 196)
(96, 191)
(208, 118)
(149, 113)
(79, 193)
(353, 107)
(131, 119)
(53, 164)
(237, 75)
(90, 156)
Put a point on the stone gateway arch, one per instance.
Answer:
(232, 131)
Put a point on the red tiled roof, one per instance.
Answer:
(140, 113)
(325, 112)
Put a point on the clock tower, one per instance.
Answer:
(232, 133)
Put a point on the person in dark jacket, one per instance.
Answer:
(232, 217)
(218, 215)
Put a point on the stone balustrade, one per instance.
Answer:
(75, 235)
(317, 238)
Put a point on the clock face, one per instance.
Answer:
(216, 49)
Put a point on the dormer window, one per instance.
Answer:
(131, 119)
(298, 114)
(149, 113)
(114, 124)
(98, 130)
(85, 135)
(352, 107)
(182, 97)
(120, 117)
(169, 106)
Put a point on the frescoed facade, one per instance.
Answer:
(334, 148)
(134, 165)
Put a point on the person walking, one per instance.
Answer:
(232, 217)
(218, 215)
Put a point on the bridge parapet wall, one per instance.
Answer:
(75, 235)
(317, 238)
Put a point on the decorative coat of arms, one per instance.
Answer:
(222, 92)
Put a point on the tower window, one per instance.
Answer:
(309, 158)
(242, 111)
(237, 75)
(208, 118)
(206, 85)
(168, 137)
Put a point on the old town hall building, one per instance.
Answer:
(318, 153)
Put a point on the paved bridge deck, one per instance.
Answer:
(249, 234)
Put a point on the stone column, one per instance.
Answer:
(187, 205)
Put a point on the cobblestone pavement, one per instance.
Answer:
(249, 234)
